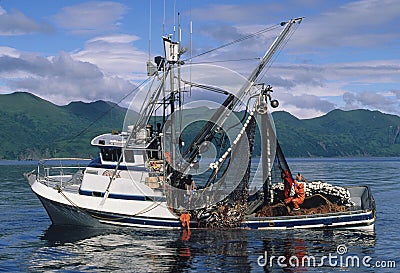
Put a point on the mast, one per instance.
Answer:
(172, 53)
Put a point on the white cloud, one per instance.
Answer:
(303, 102)
(61, 78)
(301, 113)
(396, 93)
(116, 55)
(338, 74)
(17, 23)
(361, 24)
(372, 100)
(91, 17)
(230, 13)
(368, 72)
(117, 38)
(9, 51)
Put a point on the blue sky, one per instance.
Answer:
(345, 54)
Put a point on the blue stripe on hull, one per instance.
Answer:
(123, 196)
(120, 167)
(137, 221)
(328, 221)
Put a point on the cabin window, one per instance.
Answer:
(110, 154)
(129, 156)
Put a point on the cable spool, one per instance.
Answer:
(261, 107)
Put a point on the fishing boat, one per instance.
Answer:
(185, 161)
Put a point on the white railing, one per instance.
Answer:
(61, 171)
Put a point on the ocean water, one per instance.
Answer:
(29, 243)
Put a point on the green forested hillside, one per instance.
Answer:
(339, 133)
(33, 128)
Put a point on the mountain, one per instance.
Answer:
(33, 128)
(339, 133)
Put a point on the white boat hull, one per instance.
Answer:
(66, 208)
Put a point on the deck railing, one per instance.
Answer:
(61, 171)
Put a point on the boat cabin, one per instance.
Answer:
(112, 144)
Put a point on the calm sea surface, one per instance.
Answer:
(28, 242)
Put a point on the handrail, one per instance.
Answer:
(65, 167)
(64, 158)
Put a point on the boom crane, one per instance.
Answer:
(223, 112)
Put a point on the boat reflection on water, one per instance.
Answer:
(61, 235)
(104, 250)
(184, 251)
(215, 250)
(296, 248)
(134, 250)
(297, 251)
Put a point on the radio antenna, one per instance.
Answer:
(150, 30)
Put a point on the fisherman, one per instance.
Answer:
(300, 178)
(298, 197)
(287, 181)
(181, 193)
(190, 187)
(185, 220)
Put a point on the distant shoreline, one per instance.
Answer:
(7, 162)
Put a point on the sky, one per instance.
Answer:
(344, 54)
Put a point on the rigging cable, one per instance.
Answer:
(226, 61)
(163, 23)
(279, 50)
(108, 111)
(270, 28)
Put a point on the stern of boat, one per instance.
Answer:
(360, 216)
(363, 200)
